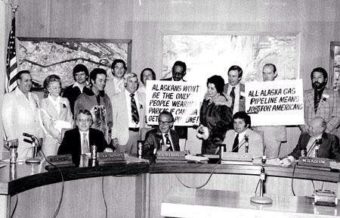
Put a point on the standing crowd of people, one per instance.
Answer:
(110, 113)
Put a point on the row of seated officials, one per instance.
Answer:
(119, 116)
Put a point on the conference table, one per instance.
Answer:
(139, 189)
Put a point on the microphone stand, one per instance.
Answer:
(35, 144)
(261, 199)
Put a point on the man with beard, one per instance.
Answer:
(321, 102)
(97, 102)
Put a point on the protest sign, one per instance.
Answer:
(182, 99)
(275, 103)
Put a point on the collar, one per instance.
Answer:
(57, 101)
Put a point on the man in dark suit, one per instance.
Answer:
(161, 138)
(234, 89)
(315, 143)
(77, 141)
(80, 75)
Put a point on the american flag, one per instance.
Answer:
(11, 63)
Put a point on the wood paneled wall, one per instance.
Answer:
(146, 21)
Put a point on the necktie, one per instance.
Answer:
(232, 95)
(317, 97)
(134, 110)
(85, 147)
(168, 142)
(312, 151)
(235, 145)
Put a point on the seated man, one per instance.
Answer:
(77, 141)
(161, 138)
(315, 143)
(237, 138)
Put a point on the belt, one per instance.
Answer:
(134, 129)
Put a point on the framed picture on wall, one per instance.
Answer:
(206, 55)
(334, 64)
(46, 56)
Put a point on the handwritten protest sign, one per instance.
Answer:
(182, 99)
(275, 103)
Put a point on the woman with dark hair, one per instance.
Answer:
(146, 74)
(55, 114)
(215, 116)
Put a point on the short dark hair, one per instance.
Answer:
(321, 70)
(237, 68)
(164, 112)
(95, 72)
(152, 72)
(20, 73)
(270, 65)
(244, 116)
(80, 68)
(48, 80)
(84, 111)
(181, 64)
(116, 61)
(218, 81)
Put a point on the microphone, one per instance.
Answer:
(35, 142)
(34, 138)
(27, 135)
(243, 142)
(261, 199)
(246, 139)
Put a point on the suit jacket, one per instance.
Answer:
(120, 126)
(21, 115)
(254, 139)
(71, 143)
(153, 140)
(72, 93)
(328, 109)
(49, 114)
(329, 147)
(242, 99)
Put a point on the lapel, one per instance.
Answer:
(158, 138)
(21, 99)
(51, 110)
(325, 140)
(92, 138)
(305, 141)
(77, 142)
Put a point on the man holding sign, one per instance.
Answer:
(273, 136)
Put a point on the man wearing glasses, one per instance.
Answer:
(77, 141)
(162, 137)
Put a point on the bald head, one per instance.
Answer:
(317, 126)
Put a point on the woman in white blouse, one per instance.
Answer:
(55, 113)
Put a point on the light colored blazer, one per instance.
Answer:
(49, 115)
(120, 127)
(21, 115)
(254, 139)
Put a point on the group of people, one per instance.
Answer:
(110, 113)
